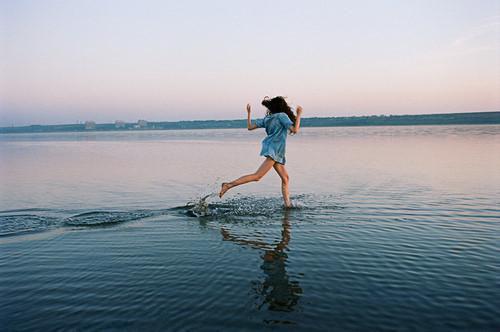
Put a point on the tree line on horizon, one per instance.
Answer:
(345, 121)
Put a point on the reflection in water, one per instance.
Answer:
(276, 291)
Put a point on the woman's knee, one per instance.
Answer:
(257, 176)
(285, 179)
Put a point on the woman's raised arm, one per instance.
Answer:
(250, 125)
(295, 128)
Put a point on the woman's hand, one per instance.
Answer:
(249, 109)
(299, 110)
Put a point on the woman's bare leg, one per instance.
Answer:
(263, 169)
(281, 170)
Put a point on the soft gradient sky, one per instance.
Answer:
(67, 61)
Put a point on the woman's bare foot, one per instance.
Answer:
(225, 187)
(288, 205)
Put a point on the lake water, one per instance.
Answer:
(395, 228)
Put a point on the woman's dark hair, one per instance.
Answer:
(278, 105)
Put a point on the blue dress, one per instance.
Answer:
(277, 125)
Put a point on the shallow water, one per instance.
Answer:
(394, 228)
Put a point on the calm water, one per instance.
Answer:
(396, 228)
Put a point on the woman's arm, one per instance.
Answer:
(295, 128)
(250, 125)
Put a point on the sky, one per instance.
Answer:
(70, 61)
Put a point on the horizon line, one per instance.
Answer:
(236, 119)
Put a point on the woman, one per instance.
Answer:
(278, 122)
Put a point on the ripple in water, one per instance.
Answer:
(25, 223)
(106, 218)
(242, 208)
(330, 261)
(17, 223)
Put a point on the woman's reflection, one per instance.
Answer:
(276, 291)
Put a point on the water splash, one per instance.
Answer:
(243, 206)
(200, 207)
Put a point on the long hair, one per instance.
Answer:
(278, 105)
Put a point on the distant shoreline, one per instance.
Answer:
(472, 118)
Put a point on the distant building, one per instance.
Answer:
(142, 124)
(89, 125)
(119, 124)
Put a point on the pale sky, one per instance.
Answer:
(103, 60)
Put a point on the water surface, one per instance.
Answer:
(395, 228)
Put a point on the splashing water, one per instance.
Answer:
(245, 206)
(200, 208)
